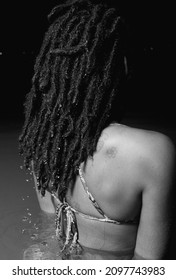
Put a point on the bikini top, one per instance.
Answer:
(66, 223)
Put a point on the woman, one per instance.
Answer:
(109, 184)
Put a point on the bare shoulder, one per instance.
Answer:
(147, 143)
(148, 151)
(157, 148)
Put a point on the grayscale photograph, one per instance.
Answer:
(88, 131)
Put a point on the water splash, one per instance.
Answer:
(25, 219)
(24, 231)
(35, 226)
(44, 243)
(34, 236)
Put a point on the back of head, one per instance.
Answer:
(77, 75)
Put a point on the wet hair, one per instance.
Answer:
(77, 76)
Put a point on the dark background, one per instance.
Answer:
(152, 28)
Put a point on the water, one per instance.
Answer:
(25, 231)
(19, 211)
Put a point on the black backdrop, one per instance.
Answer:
(150, 92)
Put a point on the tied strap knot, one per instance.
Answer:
(67, 230)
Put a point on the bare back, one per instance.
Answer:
(118, 176)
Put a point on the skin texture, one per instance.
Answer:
(111, 152)
(130, 175)
(101, 141)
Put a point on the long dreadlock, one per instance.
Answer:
(77, 74)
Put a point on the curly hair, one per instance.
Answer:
(77, 75)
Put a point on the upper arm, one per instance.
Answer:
(155, 220)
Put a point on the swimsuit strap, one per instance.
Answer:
(92, 199)
(98, 208)
(86, 216)
(66, 222)
(66, 227)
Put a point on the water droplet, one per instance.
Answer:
(34, 236)
(27, 180)
(44, 243)
(24, 219)
(21, 167)
(29, 214)
(27, 196)
(22, 198)
(35, 226)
